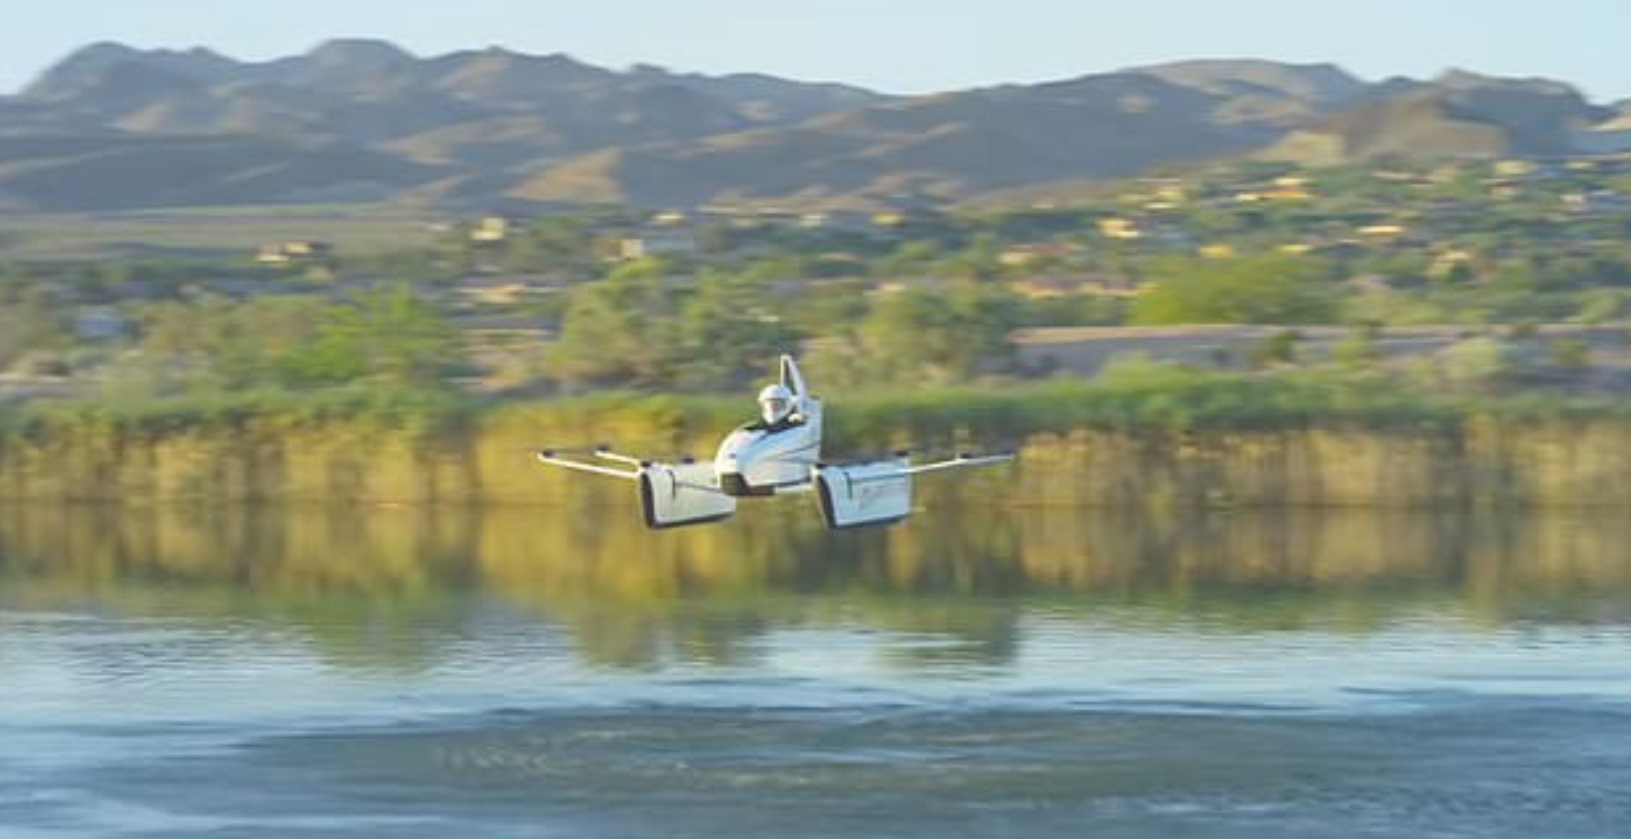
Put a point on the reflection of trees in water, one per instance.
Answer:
(958, 576)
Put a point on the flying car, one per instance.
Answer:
(777, 454)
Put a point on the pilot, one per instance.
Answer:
(776, 410)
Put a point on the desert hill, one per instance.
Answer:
(111, 126)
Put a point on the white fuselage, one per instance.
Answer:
(756, 462)
(766, 459)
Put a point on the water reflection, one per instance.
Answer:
(396, 584)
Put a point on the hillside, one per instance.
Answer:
(1459, 114)
(949, 146)
(1264, 92)
(112, 127)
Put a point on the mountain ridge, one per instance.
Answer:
(479, 127)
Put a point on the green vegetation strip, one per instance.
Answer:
(1132, 397)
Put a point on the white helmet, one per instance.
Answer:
(775, 402)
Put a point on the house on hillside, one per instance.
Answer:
(1514, 168)
(477, 291)
(1020, 256)
(294, 252)
(1384, 232)
(491, 229)
(1405, 177)
(657, 243)
(1047, 286)
(845, 221)
(1597, 201)
(1119, 228)
(1288, 188)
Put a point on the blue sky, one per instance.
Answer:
(899, 46)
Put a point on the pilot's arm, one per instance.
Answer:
(792, 420)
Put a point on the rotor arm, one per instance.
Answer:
(961, 460)
(554, 459)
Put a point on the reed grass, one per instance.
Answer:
(1154, 438)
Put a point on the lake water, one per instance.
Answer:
(542, 673)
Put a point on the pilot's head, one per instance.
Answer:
(775, 403)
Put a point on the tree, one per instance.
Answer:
(558, 243)
(620, 329)
(978, 261)
(983, 317)
(1600, 305)
(218, 342)
(906, 334)
(830, 307)
(1278, 348)
(33, 322)
(1256, 289)
(728, 329)
(918, 334)
(1477, 364)
(390, 336)
(1358, 349)
(912, 258)
(1570, 354)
